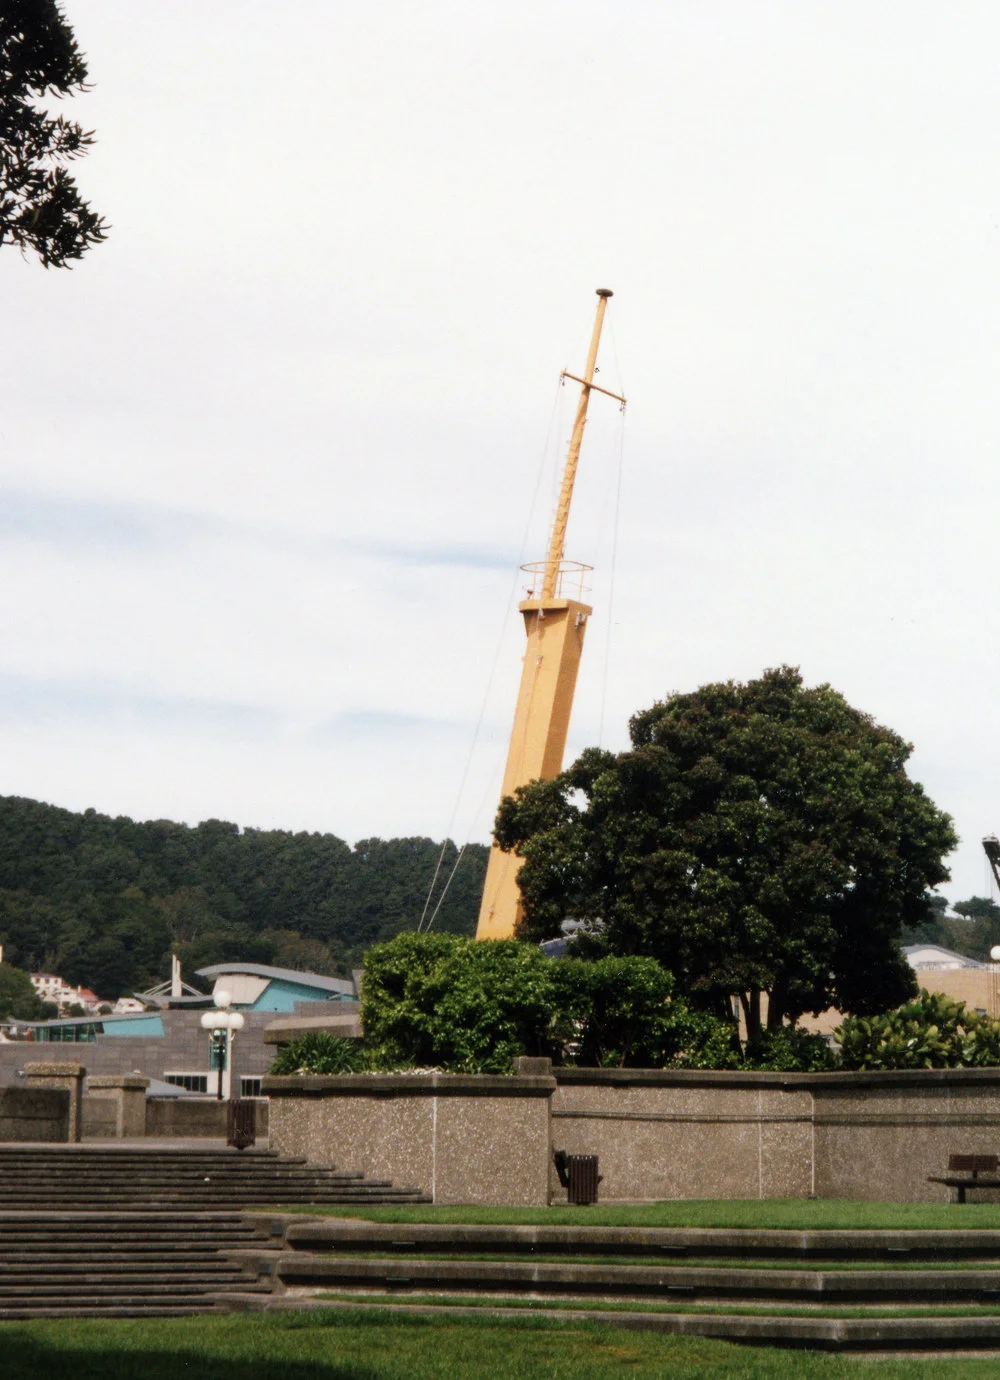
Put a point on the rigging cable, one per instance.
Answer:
(479, 810)
(615, 528)
(611, 582)
(492, 673)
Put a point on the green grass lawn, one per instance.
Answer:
(332, 1344)
(793, 1213)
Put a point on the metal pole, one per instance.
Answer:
(557, 542)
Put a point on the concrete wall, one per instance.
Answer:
(678, 1135)
(28, 1114)
(193, 1116)
(441, 1133)
(681, 1134)
(879, 1139)
(114, 1105)
(659, 1134)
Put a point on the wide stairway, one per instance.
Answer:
(78, 1176)
(836, 1290)
(139, 1231)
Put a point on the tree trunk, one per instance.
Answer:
(776, 1008)
(750, 1002)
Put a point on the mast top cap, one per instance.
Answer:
(605, 292)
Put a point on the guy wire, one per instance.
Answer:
(493, 667)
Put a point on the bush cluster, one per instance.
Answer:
(932, 1032)
(443, 1002)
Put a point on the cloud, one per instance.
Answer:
(267, 457)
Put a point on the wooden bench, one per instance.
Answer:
(970, 1166)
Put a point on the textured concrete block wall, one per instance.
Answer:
(460, 1139)
(879, 1140)
(661, 1134)
(28, 1114)
(658, 1133)
(685, 1134)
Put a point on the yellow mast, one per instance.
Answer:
(555, 624)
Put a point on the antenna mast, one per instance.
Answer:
(555, 621)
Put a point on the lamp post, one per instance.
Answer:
(222, 1025)
(995, 981)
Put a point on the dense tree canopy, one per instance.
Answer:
(18, 998)
(40, 206)
(104, 901)
(756, 838)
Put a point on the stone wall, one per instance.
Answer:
(461, 1139)
(687, 1134)
(658, 1133)
(28, 1114)
(193, 1116)
(114, 1105)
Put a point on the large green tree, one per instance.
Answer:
(18, 998)
(40, 206)
(757, 838)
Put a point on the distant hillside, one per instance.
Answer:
(103, 901)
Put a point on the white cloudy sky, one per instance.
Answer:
(267, 457)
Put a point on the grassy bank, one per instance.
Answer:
(346, 1345)
(795, 1214)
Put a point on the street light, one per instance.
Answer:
(222, 1025)
(995, 981)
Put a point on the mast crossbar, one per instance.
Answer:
(595, 386)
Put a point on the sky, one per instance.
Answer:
(271, 456)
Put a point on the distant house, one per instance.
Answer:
(936, 969)
(932, 958)
(56, 989)
(51, 988)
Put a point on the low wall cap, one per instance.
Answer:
(406, 1085)
(116, 1080)
(48, 1069)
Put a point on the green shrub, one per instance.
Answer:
(932, 1032)
(320, 1052)
(437, 1000)
(442, 1001)
(621, 1013)
(790, 1050)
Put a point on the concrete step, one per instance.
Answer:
(97, 1308)
(943, 1335)
(296, 1268)
(113, 1290)
(326, 1233)
(232, 1193)
(13, 1273)
(152, 1149)
(125, 1234)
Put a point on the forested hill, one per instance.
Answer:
(103, 902)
